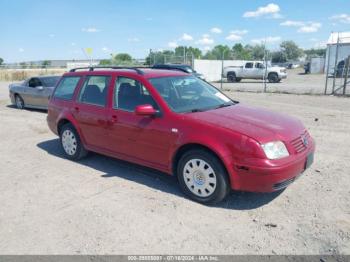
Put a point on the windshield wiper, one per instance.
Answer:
(225, 105)
(196, 110)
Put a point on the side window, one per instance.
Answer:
(249, 65)
(34, 82)
(129, 93)
(66, 87)
(94, 90)
(259, 65)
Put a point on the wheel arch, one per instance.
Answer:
(191, 146)
(67, 119)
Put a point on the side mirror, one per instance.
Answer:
(40, 88)
(145, 110)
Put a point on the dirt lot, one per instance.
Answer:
(50, 205)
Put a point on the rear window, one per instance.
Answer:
(66, 87)
(50, 81)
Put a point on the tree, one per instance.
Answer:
(122, 59)
(258, 52)
(105, 62)
(23, 64)
(45, 63)
(278, 57)
(189, 51)
(219, 52)
(241, 53)
(1, 61)
(291, 50)
(321, 52)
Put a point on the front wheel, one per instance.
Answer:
(202, 177)
(71, 143)
(272, 77)
(19, 102)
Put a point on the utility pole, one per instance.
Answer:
(222, 67)
(265, 63)
(335, 65)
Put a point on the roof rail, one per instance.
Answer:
(92, 68)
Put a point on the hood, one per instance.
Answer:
(257, 123)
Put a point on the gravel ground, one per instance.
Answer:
(50, 205)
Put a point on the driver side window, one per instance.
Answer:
(249, 65)
(129, 93)
(34, 82)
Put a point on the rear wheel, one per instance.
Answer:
(272, 77)
(71, 143)
(19, 102)
(202, 177)
(231, 77)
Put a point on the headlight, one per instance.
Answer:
(275, 150)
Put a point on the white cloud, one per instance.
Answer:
(239, 32)
(322, 44)
(206, 48)
(73, 44)
(216, 30)
(269, 39)
(106, 49)
(341, 18)
(172, 44)
(52, 35)
(270, 9)
(205, 35)
(303, 27)
(21, 50)
(186, 37)
(133, 39)
(292, 23)
(233, 37)
(310, 28)
(90, 30)
(205, 40)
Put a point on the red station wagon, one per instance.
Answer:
(179, 124)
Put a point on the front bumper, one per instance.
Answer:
(270, 178)
(282, 75)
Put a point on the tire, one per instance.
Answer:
(202, 177)
(231, 77)
(272, 77)
(71, 143)
(19, 102)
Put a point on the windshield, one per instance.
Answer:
(50, 81)
(189, 94)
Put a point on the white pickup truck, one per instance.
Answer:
(254, 70)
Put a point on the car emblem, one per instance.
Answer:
(305, 141)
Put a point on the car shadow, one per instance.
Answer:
(28, 109)
(112, 167)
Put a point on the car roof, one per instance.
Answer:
(143, 72)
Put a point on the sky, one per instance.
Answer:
(38, 30)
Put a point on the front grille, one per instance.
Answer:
(299, 144)
(283, 184)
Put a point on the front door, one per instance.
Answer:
(143, 138)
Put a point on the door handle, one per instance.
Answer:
(114, 119)
(76, 109)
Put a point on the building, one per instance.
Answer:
(338, 49)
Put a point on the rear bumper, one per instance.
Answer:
(269, 178)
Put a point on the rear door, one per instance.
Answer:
(259, 70)
(90, 110)
(248, 70)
